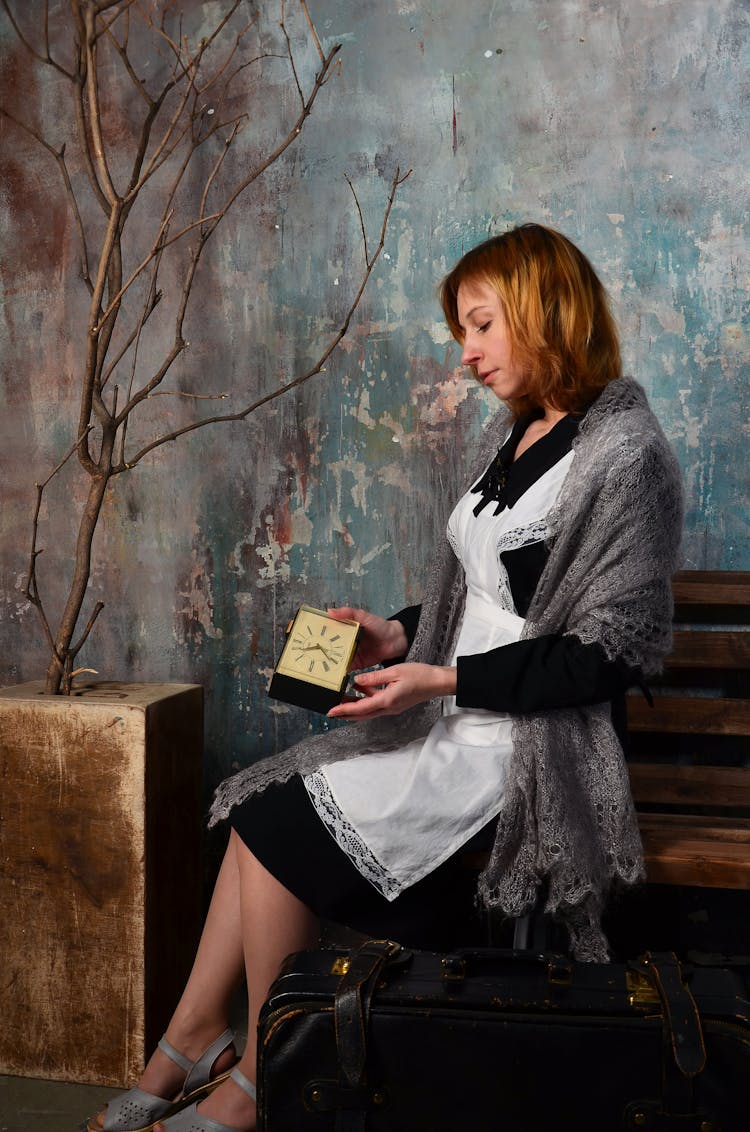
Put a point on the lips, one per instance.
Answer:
(484, 377)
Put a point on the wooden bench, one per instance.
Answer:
(690, 754)
(689, 758)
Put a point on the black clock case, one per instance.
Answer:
(303, 694)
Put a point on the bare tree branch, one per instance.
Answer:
(90, 393)
(191, 396)
(83, 132)
(122, 52)
(163, 127)
(212, 175)
(95, 120)
(59, 156)
(152, 300)
(164, 149)
(159, 243)
(290, 54)
(106, 25)
(313, 32)
(74, 649)
(46, 58)
(213, 79)
(359, 213)
(179, 345)
(398, 180)
(103, 5)
(204, 45)
(320, 80)
(31, 589)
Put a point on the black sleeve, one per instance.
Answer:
(409, 618)
(541, 673)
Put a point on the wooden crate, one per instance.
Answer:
(100, 878)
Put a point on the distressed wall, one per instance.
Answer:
(623, 123)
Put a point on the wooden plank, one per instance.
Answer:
(691, 785)
(705, 648)
(683, 857)
(698, 827)
(712, 587)
(676, 714)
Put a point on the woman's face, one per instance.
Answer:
(486, 345)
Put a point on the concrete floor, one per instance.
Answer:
(32, 1105)
(28, 1105)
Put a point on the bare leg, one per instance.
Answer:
(203, 1010)
(274, 923)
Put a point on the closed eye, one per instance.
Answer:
(485, 326)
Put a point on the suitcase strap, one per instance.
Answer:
(684, 1050)
(351, 1096)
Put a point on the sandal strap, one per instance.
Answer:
(244, 1083)
(175, 1055)
(199, 1074)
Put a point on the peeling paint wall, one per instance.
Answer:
(623, 123)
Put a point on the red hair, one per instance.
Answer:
(557, 311)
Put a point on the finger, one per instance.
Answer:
(378, 679)
(344, 613)
(361, 710)
(365, 707)
(349, 709)
(366, 693)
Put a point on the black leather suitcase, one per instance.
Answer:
(382, 1039)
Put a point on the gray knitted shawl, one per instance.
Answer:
(568, 818)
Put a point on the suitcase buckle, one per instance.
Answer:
(453, 968)
(642, 994)
(559, 971)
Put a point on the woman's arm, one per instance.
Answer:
(540, 674)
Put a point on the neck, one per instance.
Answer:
(552, 416)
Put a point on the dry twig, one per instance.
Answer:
(183, 108)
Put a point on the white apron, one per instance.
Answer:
(399, 814)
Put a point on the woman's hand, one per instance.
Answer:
(379, 639)
(393, 690)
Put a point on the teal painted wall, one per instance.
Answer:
(623, 123)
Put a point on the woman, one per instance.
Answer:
(496, 716)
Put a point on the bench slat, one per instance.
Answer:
(696, 827)
(703, 648)
(712, 587)
(675, 714)
(668, 784)
(691, 860)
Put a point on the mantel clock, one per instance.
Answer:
(314, 665)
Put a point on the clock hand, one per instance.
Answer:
(315, 645)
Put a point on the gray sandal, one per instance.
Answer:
(190, 1120)
(138, 1111)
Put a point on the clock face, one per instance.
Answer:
(319, 649)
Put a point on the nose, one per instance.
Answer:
(470, 354)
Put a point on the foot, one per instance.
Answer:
(228, 1104)
(163, 1078)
